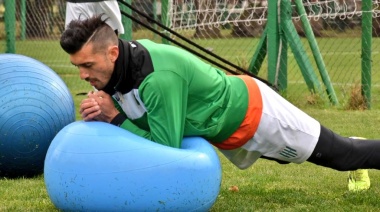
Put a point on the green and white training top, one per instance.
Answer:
(167, 93)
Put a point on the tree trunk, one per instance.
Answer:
(205, 17)
(376, 27)
(38, 18)
(248, 28)
(316, 26)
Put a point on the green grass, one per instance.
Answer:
(341, 57)
(266, 186)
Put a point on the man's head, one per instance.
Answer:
(93, 48)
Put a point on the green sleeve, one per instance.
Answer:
(164, 95)
(131, 127)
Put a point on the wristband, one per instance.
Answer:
(118, 120)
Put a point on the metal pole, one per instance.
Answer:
(273, 39)
(316, 53)
(10, 26)
(127, 23)
(366, 50)
(23, 19)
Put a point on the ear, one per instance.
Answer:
(113, 53)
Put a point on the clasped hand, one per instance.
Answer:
(98, 106)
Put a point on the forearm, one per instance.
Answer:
(122, 121)
(131, 127)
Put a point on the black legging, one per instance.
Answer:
(344, 154)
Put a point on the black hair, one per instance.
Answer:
(80, 32)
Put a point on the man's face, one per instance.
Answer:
(95, 67)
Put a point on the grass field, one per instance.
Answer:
(341, 57)
(266, 186)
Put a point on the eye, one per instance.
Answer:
(87, 65)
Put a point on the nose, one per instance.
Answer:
(83, 73)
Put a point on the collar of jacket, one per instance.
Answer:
(131, 67)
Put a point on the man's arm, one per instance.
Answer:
(100, 106)
(165, 96)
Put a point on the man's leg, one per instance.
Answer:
(344, 154)
(358, 180)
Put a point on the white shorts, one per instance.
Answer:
(284, 132)
(110, 8)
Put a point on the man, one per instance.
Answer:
(164, 93)
(83, 9)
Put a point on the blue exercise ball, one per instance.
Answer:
(95, 166)
(35, 106)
